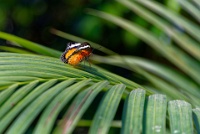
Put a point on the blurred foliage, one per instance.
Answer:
(27, 18)
(32, 19)
(167, 33)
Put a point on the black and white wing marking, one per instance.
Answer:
(72, 45)
(84, 45)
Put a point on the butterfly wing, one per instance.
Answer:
(70, 49)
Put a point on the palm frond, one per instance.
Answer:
(108, 106)
(48, 87)
(181, 123)
(174, 55)
(35, 47)
(47, 96)
(165, 78)
(182, 39)
(40, 94)
(132, 115)
(179, 20)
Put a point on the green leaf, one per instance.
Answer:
(155, 114)
(9, 116)
(34, 65)
(79, 106)
(196, 2)
(133, 112)
(181, 21)
(182, 39)
(30, 45)
(180, 115)
(158, 75)
(78, 39)
(106, 110)
(196, 117)
(4, 84)
(7, 93)
(191, 8)
(176, 56)
(26, 117)
(50, 113)
(16, 97)
(18, 78)
(15, 50)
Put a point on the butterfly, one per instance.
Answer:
(76, 52)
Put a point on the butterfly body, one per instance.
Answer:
(76, 52)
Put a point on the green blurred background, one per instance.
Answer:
(33, 19)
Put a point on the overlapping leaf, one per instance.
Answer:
(42, 90)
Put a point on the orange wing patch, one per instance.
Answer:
(76, 53)
(75, 59)
(70, 52)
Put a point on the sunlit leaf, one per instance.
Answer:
(180, 113)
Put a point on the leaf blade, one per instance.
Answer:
(35, 107)
(133, 112)
(156, 114)
(106, 110)
(48, 117)
(180, 113)
(80, 105)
